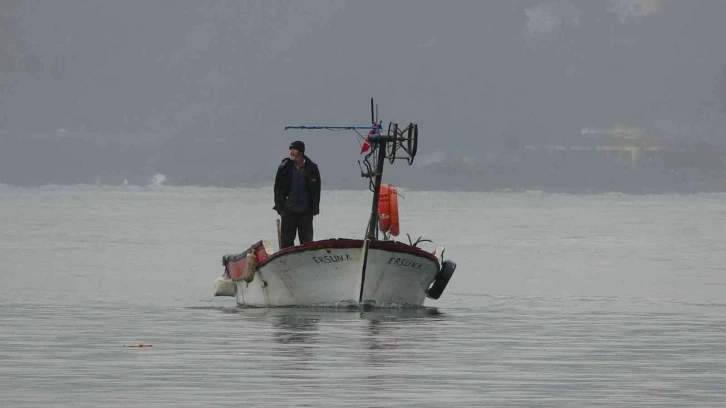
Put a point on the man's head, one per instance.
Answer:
(297, 150)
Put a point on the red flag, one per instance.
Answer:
(364, 148)
(367, 144)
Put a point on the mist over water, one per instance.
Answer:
(527, 94)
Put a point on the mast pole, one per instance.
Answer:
(372, 230)
(379, 141)
(380, 145)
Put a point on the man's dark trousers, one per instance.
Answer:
(293, 222)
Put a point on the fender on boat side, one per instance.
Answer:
(441, 280)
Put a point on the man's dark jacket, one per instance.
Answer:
(283, 182)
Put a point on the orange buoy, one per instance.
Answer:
(384, 203)
(388, 209)
(394, 211)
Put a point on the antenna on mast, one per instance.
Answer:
(373, 116)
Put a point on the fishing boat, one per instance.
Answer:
(373, 270)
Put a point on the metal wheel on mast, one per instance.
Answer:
(412, 143)
(406, 139)
(392, 146)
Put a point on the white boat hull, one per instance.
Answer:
(332, 272)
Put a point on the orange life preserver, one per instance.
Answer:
(388, 209)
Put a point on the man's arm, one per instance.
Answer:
(278, 191)
(316, 193)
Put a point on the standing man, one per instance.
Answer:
(297, 195)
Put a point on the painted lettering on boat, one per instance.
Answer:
(405, 263)
(332, 258)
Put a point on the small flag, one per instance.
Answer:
(367, 144)
(365, 147)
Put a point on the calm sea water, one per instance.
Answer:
(559, 300)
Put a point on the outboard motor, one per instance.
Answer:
(441, 279)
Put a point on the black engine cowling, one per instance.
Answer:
(441, 280)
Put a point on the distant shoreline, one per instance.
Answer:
(684, 190)
(34, 161)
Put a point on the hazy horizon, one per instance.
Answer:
(194, 87)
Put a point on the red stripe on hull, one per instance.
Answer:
(343, 243)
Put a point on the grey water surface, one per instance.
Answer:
(558, 300)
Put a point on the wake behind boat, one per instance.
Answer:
(373, 270)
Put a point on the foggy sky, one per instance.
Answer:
(229, 75)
